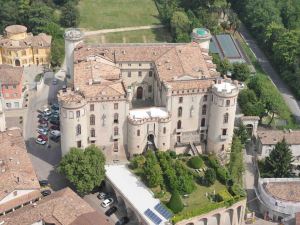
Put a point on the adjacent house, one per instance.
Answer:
(11, 80)
(19, 48)
(60, 208)
(19, 185)
(267, 139)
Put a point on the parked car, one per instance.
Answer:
(111, 211)
(123, 220)
(54, 121)
(55, 127)
(44, 182)
(43, 125)
(55, 106)
(54, 81)
(107, 202)
(55, 138)
(42, 120)
(102, 195)
(43, 137)
(47, 112)
(46, 192)
(55, 132)
(43, 132)
(55, 116)
(42, 129)
(40, 141)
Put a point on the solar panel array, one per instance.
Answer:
(163, 211)
(152, 216)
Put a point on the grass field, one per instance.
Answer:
(139, 36)
(103, 14)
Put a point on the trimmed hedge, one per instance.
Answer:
(175, 203)
(195, 162)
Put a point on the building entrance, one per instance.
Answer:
(139, 93)
(17, 62)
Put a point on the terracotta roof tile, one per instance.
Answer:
(63, 207)
(10, 75)
(286, 191)
(271, 137)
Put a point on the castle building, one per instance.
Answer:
(130, 97)
(19, 48)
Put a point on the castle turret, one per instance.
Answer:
(73, 120)
(202, 36)
(73, 36)
(221, 118)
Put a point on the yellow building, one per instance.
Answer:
(19, 48)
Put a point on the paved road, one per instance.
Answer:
(290, 100)
(105, 31)
(44, 157)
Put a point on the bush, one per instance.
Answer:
(213, 161)
(137, 162)
(222, 175)
(195, 162)
(237, 190)
(172, 154)
(210, 176)
(175, 203)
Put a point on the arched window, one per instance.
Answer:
(93, 134)
(179, 124)
(92, 119)
(204, 110)
(203, 122)
(78, 129)
(116, 118)
(116, 131)
(138, 132)
(179, 112)
(77, 113)
(164, 130)
(225, 119)
(227, 102)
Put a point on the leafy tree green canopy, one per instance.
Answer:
(83, 168)
(175, 203)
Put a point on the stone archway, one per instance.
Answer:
(17, 62)
(251, 122)
(139, 93)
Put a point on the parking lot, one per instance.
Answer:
(96, 204)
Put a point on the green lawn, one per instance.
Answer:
(103, 14)
(139, 36)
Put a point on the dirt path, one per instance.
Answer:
(105, 31)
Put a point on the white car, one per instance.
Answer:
(42, 131)
(55, 133)
(47, 112)
(107, 202)
(54, 81)
(40, 141)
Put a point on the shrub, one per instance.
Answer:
(195, 162)
(222, 175)
(210, 176)
(175, 203)
(172, 154)
(237, 190)
(137, 162)
(213, 161)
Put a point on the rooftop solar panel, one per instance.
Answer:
(163, 211)
(152, 216)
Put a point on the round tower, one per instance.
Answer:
(73, 120)
(221, 118)
(73, 36)
(202, 36)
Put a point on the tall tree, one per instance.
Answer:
(69, 15)
(152, 170)
(279, 163)
(236, 165)
(83, 168)
(180, 26)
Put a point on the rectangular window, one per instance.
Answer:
(91, 107)
(116, 105)
(71, 115)
(140, 73)
(140, 64)
(129, 64)
(16, 104)
(78, 144)
(138, 133)
(129, 74)
(178, 139)
(149, 88)
(77, 114)
(115, 145)
(180, 99)
(8, 105)
(150, 73)
(224, 131)
(205, 98)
